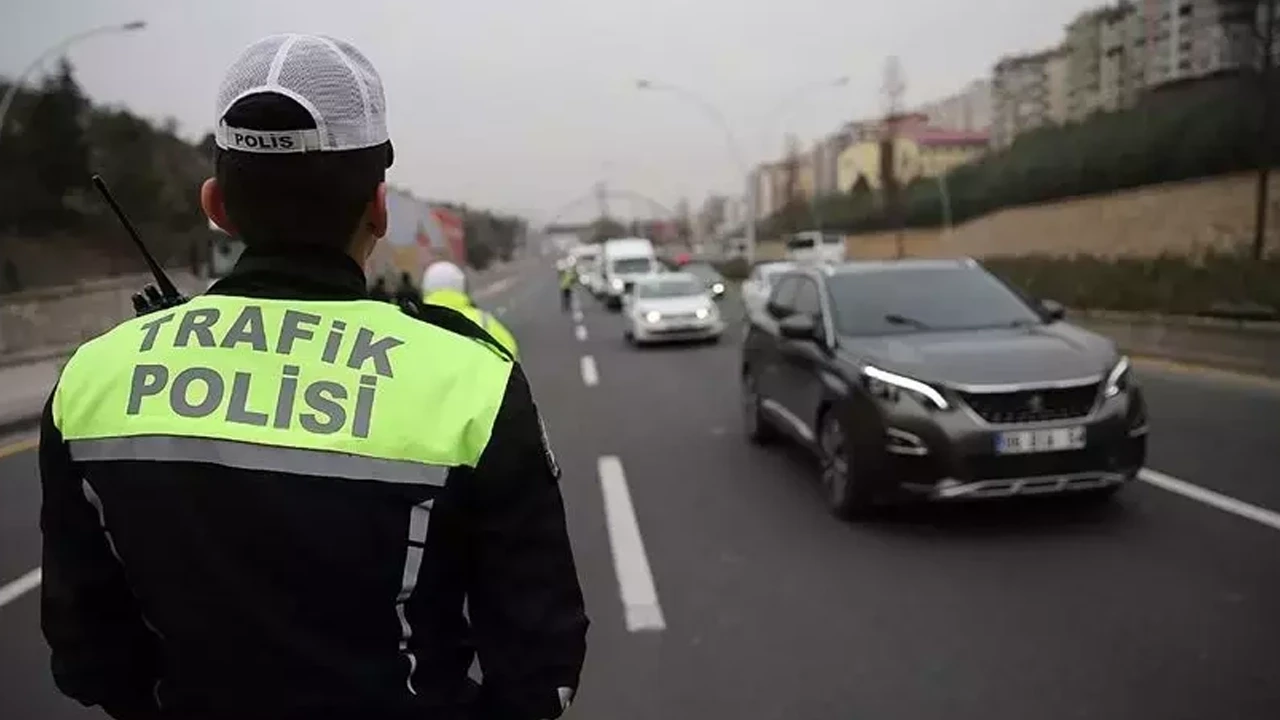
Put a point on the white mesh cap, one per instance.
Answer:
(331, 79)
(444, 275)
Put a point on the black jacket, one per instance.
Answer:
(221, 593)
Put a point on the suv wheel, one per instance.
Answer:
(759, 431)
(847, 498)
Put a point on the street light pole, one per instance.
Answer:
(61, 47)
(735, 149)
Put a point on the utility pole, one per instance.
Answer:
(1266, 149)
(893, 89)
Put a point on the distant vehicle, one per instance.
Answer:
(224, 251)
(707, 273)
(935, 380)
(671, 306)
(622, 261)
(586, 260)
(759, 282)
(815, 247)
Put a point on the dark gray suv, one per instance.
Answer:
(933, 379)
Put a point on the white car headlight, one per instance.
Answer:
(702, 313)
(883, 382)
(652, 316)
(617, 284)
(717, 288)
(1118, 379)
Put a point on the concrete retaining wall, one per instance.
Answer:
(35, 321)
(1250, 347)
(1177, 218)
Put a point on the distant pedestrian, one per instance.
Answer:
(380, 291)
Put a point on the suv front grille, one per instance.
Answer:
(1029, 406)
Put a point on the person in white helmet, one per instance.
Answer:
(445, 284)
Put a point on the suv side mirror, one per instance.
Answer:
(1053, 309)
(798, 326)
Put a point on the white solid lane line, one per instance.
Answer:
(635, 581)
(20, 587)
(1208, 497)
(589, 375)
(581, 332)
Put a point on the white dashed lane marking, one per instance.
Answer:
(635, 580)
(21, 586)
(589, 375)
(1212, 499)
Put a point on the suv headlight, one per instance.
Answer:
(717, 288)
(652, 316)
(887, 385)
(702, 313)
(1118, 378)
(617, 284)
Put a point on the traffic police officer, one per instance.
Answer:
(567, 277)
(277, 499)
(445, 284)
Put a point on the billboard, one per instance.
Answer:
(418, 233)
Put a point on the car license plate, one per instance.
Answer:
(1019, 442)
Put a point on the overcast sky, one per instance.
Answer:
(523, 104)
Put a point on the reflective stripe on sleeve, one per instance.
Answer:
(250, 456)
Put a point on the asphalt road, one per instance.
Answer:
(762, 606)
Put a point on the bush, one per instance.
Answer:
(1217, 283)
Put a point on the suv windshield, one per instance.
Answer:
(631, 266)
(669, 287)
(924, 299)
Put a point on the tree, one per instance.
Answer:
(57, 153)
(603, 228)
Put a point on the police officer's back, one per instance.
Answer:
(273, 500)
(445, 284)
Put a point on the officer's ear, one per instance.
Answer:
(214, 205)
(376, 213)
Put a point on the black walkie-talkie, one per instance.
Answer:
(164, 294)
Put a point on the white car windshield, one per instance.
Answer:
(631, 266)
(669, 288)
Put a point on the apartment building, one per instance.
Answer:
(826, 160)
(1183, 39)
(967, 111)
(1105, 60)
(1027, 92)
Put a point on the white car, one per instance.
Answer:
(758, 285)
(671, 306)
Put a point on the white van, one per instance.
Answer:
(622, 261)
(813, 246)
